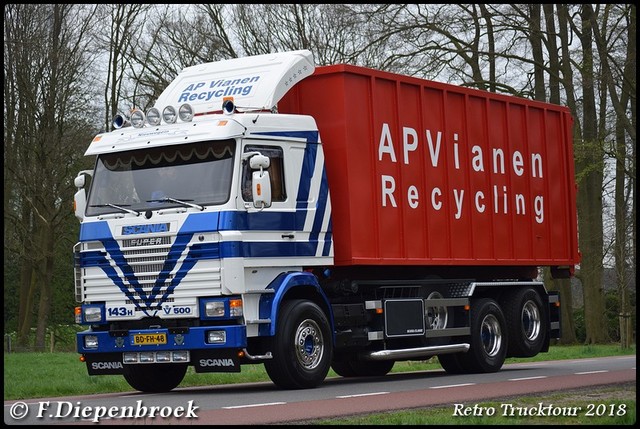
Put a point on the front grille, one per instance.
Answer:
(144, 275)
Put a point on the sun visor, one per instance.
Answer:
(255, 83)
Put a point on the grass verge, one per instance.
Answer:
(45, 375)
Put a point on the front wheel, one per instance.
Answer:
(154, 378)
(302, 346)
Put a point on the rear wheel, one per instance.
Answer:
(488, 345)
(527, 322)
(154, 378)
(301, 347)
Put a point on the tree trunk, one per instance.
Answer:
(589, 152)
(25, 314)
(45, 280)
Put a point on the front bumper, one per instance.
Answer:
(192, 338)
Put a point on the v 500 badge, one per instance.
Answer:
(178, 310)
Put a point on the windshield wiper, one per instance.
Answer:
(124, 209)
(173, 200)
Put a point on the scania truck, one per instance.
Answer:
(268, 211)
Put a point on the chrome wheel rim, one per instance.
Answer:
(531, 322)
(491, 335)
(309, 344)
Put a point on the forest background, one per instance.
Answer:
(69, 68)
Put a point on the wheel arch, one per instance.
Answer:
(288, 286)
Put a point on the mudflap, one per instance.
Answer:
(104, 363)
(555, 316)
(215, 361)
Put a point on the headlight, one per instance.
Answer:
(91, 342)
(92, 314)
(216, 337)
(214, 309)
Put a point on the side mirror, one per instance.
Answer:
(259, 161)
(79, 181)
(80, 197)
(261, 189)
(80, 203)
(260, 181)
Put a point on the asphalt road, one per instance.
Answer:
(263, 403)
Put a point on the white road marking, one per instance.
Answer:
(362, 394)
(527, 378)
(452, 385)
(254, 405)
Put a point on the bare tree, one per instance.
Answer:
(44, 59)
(606, 40)
(117, 44)
(590, 172)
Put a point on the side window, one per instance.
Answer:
(276, 173)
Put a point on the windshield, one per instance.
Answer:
(197, 173)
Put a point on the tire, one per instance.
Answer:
(154, 378)
(450, 362)
(488, 345)
(527, 321)
(302, 346)
(356, 368)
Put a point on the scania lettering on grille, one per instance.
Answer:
(145, 229)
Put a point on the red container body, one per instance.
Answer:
(426, 173)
